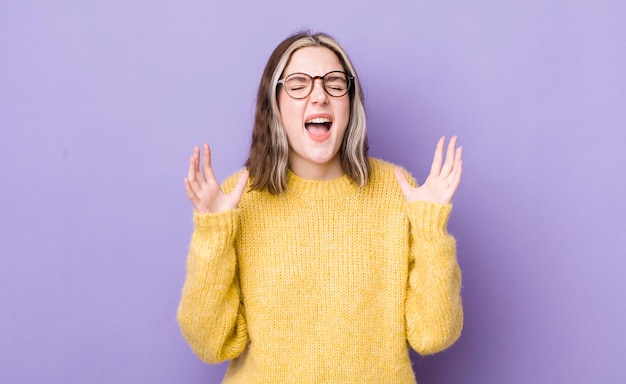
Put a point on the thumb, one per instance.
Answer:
(237, 192)
(403, 182)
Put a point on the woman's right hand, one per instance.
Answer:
(204, 191)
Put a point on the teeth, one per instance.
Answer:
(318, 120)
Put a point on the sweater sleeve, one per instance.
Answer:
(210, 313)
(433, 309)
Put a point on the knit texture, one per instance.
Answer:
(325, 283)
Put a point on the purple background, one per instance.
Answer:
(102, 102)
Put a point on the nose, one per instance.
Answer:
(318, 94)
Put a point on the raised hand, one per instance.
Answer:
(204, 191)
(442, 181)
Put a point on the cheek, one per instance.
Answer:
(291, 112)
(343, 111)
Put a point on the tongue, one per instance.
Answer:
(317, 129)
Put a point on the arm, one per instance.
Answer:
(210, 314)
(433, 309)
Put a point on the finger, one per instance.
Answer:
(191, 174)
(457, 160)
(457, 157)
(237, 192)
(206, 164)
(435, 168)
(458, 166)
(191, 194)
(457, 172)
(199, 175)
(450, 158)
(454, 183)
(194, 176)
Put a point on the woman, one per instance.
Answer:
(317, 263)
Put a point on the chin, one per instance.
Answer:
(324, 158)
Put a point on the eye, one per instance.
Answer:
(297, 82)
(336, 82)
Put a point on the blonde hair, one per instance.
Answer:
(269, 152)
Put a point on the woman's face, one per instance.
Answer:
(315, 125)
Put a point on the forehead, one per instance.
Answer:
(315, 61)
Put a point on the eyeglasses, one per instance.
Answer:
(300, 85)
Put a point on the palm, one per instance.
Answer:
(443, 179)
(202, 187)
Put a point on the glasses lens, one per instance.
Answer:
(336, 83)
(298, 85)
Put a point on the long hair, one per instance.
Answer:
(269, 151)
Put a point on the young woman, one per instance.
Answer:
(316, 263)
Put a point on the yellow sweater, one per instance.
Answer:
(325, 283)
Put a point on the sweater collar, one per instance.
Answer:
(320, 189)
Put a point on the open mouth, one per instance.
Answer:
(318, 128)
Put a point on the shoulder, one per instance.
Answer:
(231, 181)
(249, 195)
(383, 172)
(382, 185)
(381, 166)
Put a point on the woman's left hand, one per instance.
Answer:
(443, 180)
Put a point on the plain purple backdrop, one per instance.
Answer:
(101, 104)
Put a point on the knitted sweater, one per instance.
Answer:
(324, 283)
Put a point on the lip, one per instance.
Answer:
(318, 138)
(319, 115)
